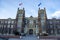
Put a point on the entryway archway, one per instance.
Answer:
(30, 31)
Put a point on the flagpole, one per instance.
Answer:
(39, 5)
(20, 5)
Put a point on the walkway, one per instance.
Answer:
(30, 37)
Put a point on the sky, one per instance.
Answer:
(8, 8)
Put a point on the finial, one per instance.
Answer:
(23, 8)
(31, 16)
(44, 8)
(18, 8)
(39, 8)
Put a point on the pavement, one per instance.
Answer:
(30, 37)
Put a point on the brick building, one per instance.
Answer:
(30, 25)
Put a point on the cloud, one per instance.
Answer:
(4, 13)
(56, 14)
(9, 7)
(7, 10)
(33, 12)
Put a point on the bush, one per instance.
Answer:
(45, 34)
(16, 33)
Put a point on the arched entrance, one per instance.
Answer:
(30, 31)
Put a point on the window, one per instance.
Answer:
(4, 26)
(58, 26)
(51, 31)
(12, 22)
(20, 15)
(36, 21)
(1, 21)
(8, 22)
(36, 25)
(51, 26)
(19, 20)
(57, 21)
(50, 22)
(59, 31)
(42, 16)
(11, 26)
(42, 22)
(8, 26)
(5, 21)
(0, 25)
(26, 21)
(31, 21)
(18, 25)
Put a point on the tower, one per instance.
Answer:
(42, 20)
(20, 18)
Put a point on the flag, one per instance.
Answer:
(39, 4)
(20, 4)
